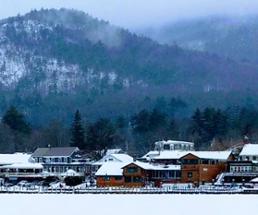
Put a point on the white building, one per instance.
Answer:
(58, 160)
(249, 153)
(19, 166)
(171, 145)
(122, 159)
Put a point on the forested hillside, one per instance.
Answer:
(53, 62)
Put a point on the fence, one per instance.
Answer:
(122, 190)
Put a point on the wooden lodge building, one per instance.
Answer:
(203, 167)
(110, 174)
(136, 174)
(196, 167)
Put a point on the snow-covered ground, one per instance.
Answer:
(67, 204)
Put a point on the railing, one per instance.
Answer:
(123, 190)
(20, 174)
(36, 175)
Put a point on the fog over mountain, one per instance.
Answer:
(134, 14)
(232, 37)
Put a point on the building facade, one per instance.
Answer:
(199, 170)
(58, 160)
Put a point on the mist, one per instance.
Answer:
(134, 14)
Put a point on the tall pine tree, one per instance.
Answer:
(77, 130)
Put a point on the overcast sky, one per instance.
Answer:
(135, 13)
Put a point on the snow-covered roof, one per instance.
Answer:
(22, 166)
(124, 158)
(249, 150)
(70, 172)
(165, 155)
(6, 159)
(255, 180)
(213, 155)
(174, 155)
(111, 169)
(55, 152)
(175, 142)
(149, 166)
(113, 151)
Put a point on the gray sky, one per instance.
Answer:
(136, 13)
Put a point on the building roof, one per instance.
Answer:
(174, 155)
(111, 169)
(22, 166)
(165, 155)
(55, 152)
(255, 180)
(6, 159)
(113, 151)
(175, 142)
(212, 155)
(125, 158)
(149, 166)
(249, 150)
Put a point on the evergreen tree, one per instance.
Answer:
(77, 131)
(100, 135)
(16, 121)
(140, 122)
(173, 129)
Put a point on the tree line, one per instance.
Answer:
(209, 128)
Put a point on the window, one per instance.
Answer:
(177, 146)
(118, 178)
(171, 174)
(190, 161)
(137, 179)
(178, 174)
(166, 147)
(205, 162)
(254, 158)
(107, 178)
(189, 174)
(132, 169)
(128, 179)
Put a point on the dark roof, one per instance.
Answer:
(55, 151)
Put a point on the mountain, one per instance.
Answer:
(53, 62)
(227, 36)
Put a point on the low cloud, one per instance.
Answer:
(136, 13)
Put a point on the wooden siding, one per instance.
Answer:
(109, 181)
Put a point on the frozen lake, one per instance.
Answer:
(67, 204)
